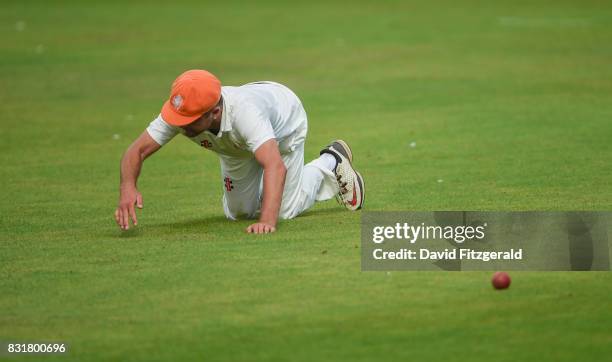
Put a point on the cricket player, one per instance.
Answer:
(258, 130)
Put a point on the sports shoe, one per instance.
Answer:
(350, 182)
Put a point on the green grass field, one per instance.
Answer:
(509, 104)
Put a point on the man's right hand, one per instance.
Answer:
(126, 211)
(131, 162)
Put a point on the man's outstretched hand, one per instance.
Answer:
(125, 211)
(260, 228)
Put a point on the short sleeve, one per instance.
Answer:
(253, 127)
(161, 131)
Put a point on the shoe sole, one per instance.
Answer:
(361, 183)
(360, 179)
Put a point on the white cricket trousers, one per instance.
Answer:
(304, 184)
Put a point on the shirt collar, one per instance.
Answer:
(226, 123)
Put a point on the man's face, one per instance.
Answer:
(199, 125)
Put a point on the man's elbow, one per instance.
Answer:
(133, 153)
(278, 168)
(145, 151)
(143, 154)
(282, 169)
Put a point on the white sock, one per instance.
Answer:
(328, 161)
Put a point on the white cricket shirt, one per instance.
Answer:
(252, 114)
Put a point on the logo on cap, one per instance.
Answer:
(177, 101)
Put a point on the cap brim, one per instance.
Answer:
(176, 119)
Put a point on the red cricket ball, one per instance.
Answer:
(501, 280)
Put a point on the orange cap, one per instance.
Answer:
(193, 93)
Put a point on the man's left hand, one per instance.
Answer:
(260, 228)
